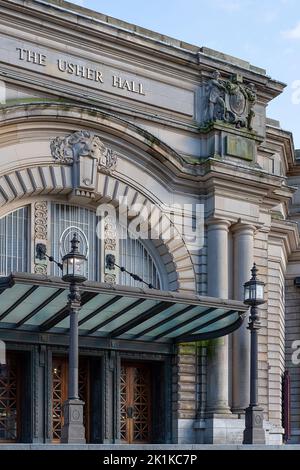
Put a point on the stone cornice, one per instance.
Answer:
(221, 174)
(213, 174)
(70, 23)
(286, 233)
(284, 140)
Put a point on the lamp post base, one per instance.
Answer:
(254, 432)
(73, 431)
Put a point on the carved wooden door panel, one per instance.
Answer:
(10, 399)
(135, 400)
(60, 393)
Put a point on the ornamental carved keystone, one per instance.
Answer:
(87, 154)
(230, 101)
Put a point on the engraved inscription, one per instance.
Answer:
(32, 56)
(80, 70)
(129, 85)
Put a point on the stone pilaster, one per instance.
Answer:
(186, 392)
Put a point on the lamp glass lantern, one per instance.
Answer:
(254, 289)
(74, 264)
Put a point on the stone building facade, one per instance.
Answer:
(94, 109)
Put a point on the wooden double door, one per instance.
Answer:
(10, 399)
(135, 399)
(60, 393)
(141, 392)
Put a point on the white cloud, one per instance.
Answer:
(293, 33)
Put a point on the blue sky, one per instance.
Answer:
(264, 32)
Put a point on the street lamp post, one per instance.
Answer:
(74, 268)
(253, 296)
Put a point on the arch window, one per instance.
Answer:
(67, 219)
(133, 254)
(136, 258)
(14, 246)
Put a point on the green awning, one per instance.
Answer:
(35, 302)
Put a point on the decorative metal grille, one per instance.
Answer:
(134, 256)
(14, 242)
(67, 219)
(123, 405)
(9, 401)
(141, 404)
(58, 397)
(135, 404)
(60, 393)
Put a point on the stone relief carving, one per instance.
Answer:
(109, 278)
(40, 220)
(83, 144)
(87, 154)
(230, 101)
(110, 246)
(109, 234)
(40, 234)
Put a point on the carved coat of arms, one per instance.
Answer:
(230, 101)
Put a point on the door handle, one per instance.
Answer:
(130, 412)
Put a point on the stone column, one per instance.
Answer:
(243, 252)
(217, 379)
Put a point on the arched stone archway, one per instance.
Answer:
(37, 176)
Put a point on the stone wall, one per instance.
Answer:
(186, 388)
(292, 331)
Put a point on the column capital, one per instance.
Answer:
(215, 223)
(241, 227)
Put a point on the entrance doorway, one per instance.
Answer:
(60, 393)
(135, 399)
(10, 394)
